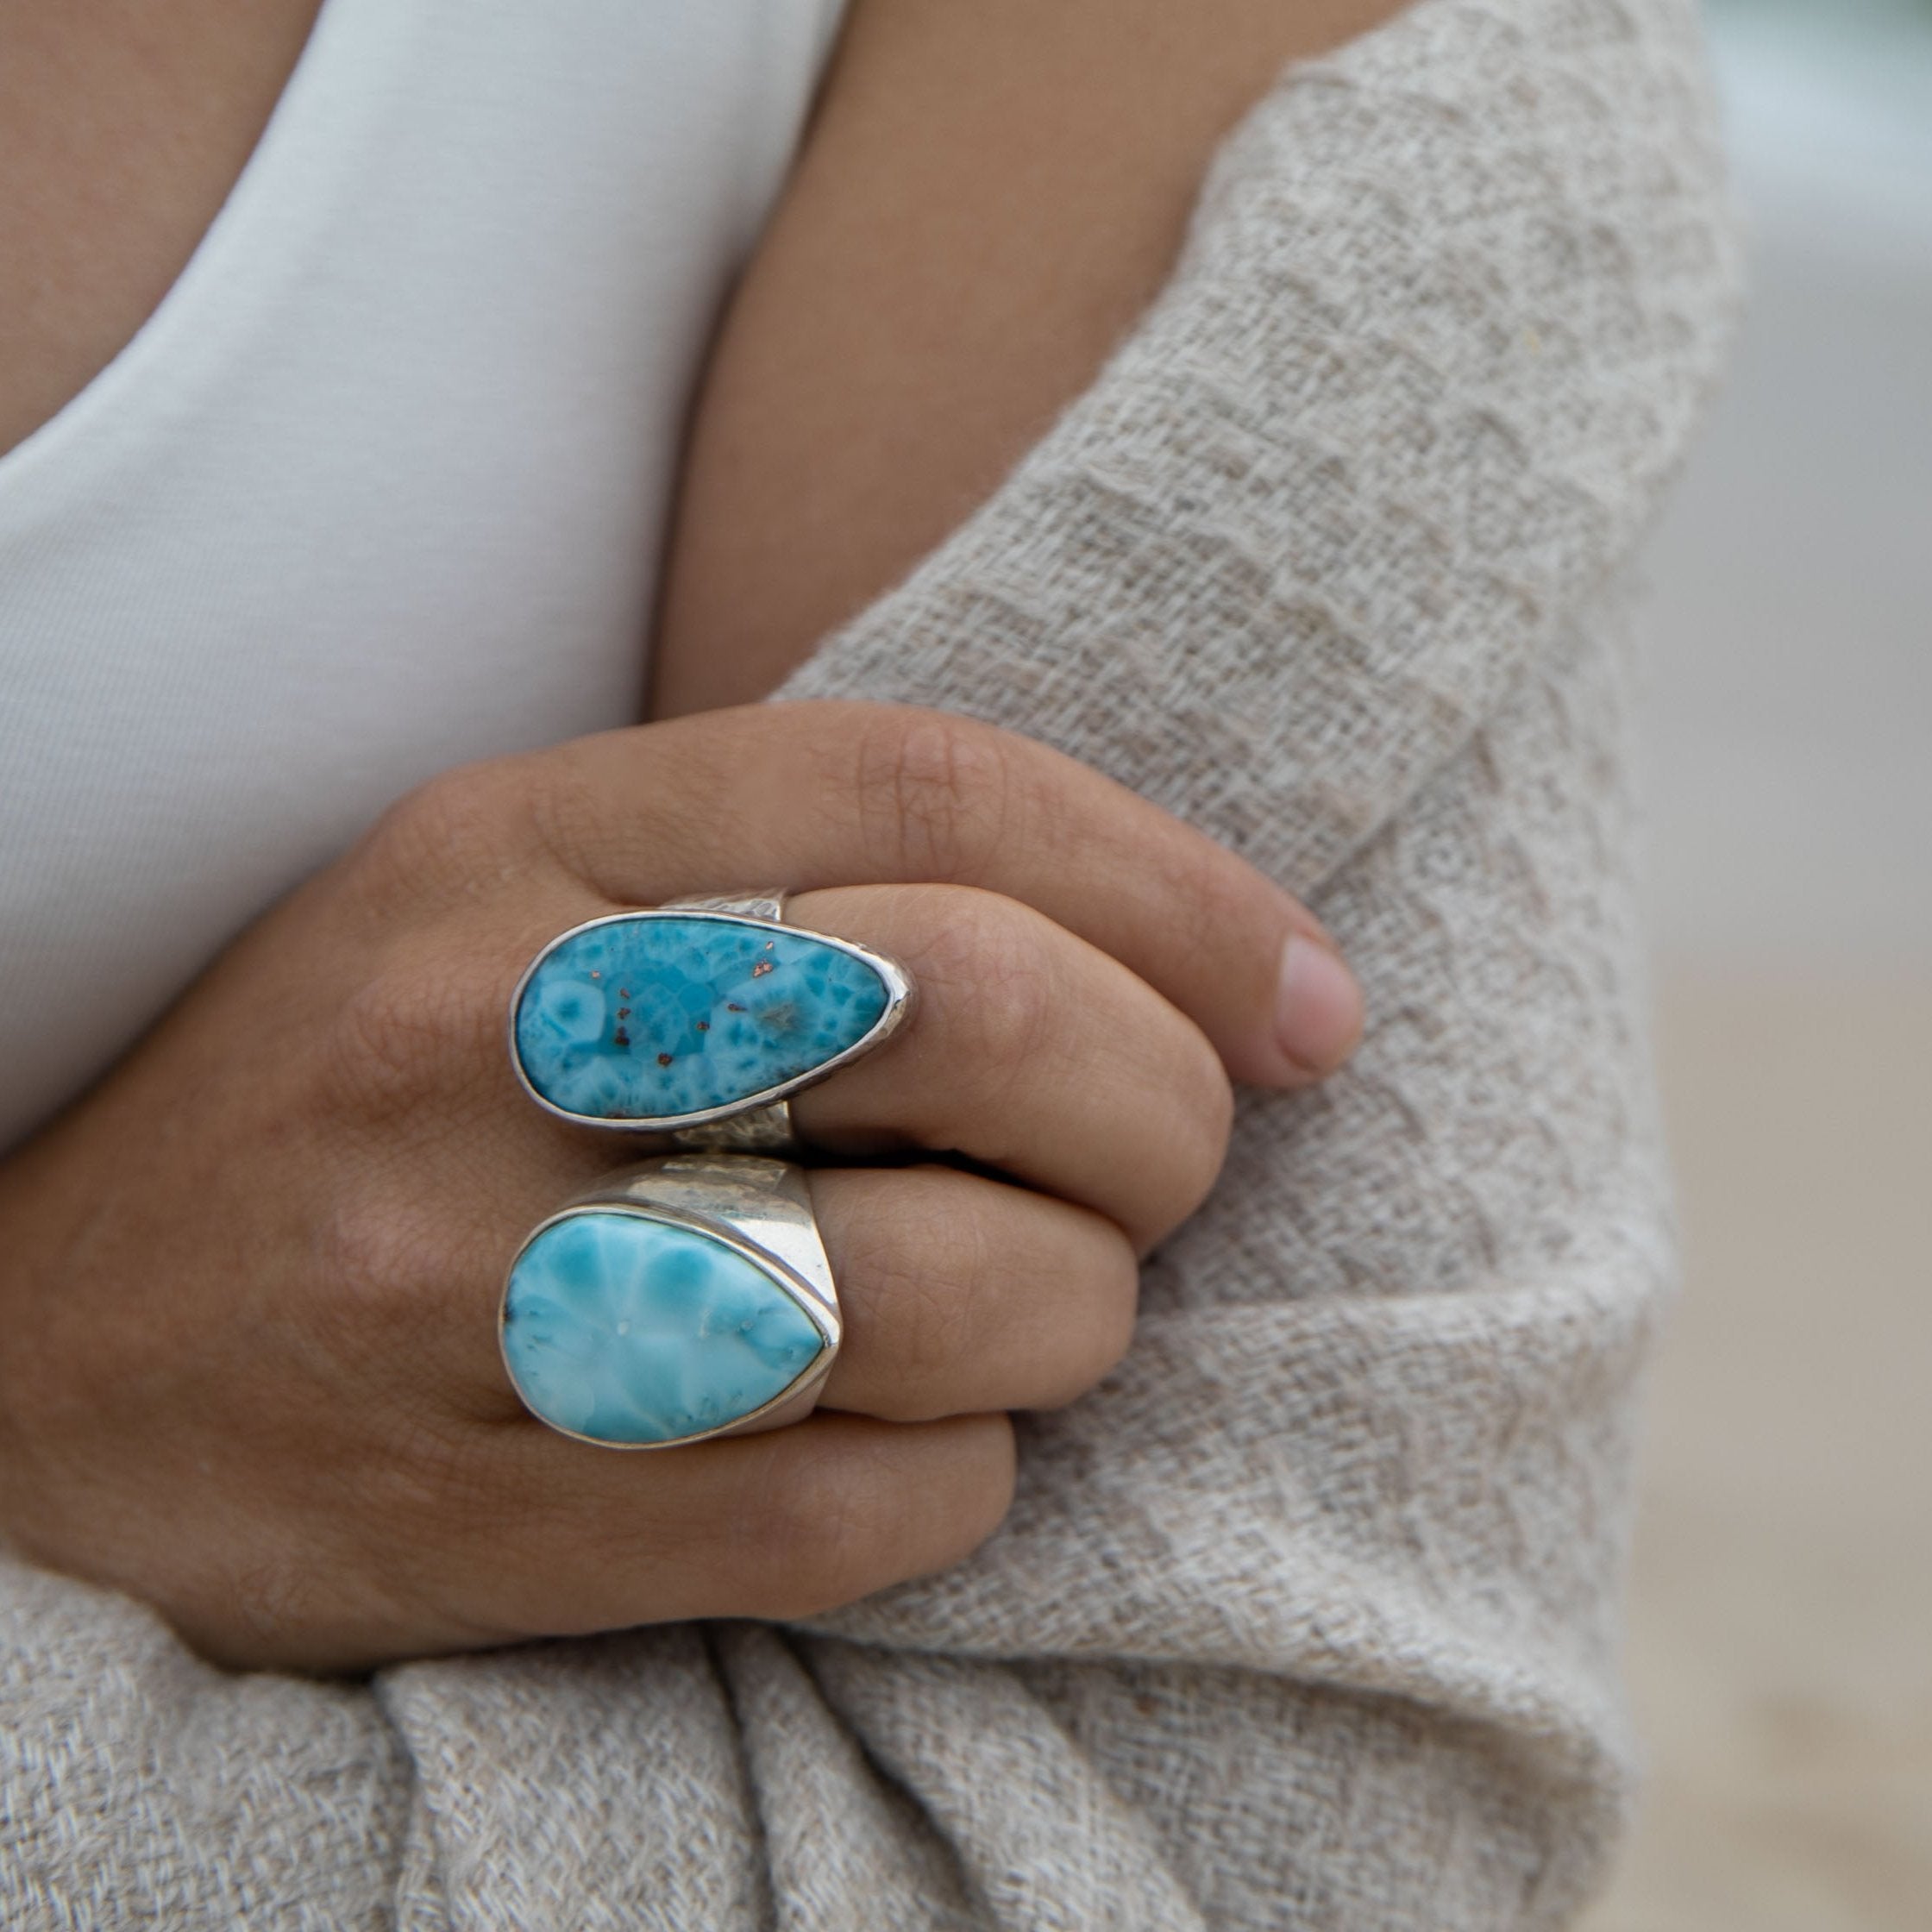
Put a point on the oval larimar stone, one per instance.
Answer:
(632, 1331)
(657, 1015)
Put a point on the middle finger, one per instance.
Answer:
(1027, 1051)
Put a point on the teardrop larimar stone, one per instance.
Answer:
(657, 1015)
(632, 1331)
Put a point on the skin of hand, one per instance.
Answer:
(249, 1284)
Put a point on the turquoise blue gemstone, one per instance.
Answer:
(664, 1014)
(631, 1331)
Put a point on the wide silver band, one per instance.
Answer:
(761, 1209)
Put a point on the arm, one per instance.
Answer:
(992, 191)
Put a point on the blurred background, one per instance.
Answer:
(1781, 1628)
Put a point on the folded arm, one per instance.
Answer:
(990, 193)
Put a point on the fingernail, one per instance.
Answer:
(1318, 1007)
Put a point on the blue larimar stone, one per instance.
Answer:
(662, 1014)
(629, 1330)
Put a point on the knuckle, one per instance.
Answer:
(945, 1301)
(568, 810)
(934, 793)
(996, 977)
(462, 833)
(398, 1039)
(927, 1267)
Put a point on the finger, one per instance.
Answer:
(806, 795)
(1027, 1051)
(960, 1295)
(568, 1538)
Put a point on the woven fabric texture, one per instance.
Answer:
(1308, 1617)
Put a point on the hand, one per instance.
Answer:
(249, 1284)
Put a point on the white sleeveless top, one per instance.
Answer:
(379, 488)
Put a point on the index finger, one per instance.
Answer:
(808, 794)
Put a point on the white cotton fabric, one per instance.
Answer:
(379, 488)
(1308, 1617)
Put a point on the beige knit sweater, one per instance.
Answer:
(1308, 1617)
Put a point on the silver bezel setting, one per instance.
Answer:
(899, 993)
(762, 1210)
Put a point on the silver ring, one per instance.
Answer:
(684, 1298)
(696, 1020)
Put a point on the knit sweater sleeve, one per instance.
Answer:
(1306, 1616)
